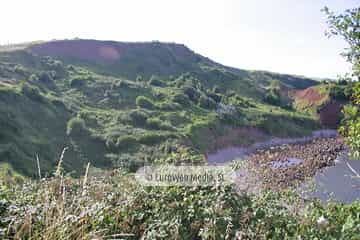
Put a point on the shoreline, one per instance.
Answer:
(228, 154)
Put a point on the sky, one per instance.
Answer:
(285, 36)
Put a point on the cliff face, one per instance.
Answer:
(330, 114)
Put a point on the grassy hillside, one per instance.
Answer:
(124, 104)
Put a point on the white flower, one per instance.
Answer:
(322, 221)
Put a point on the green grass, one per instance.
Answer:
(112, 105)
(112, 204)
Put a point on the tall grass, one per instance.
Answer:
(110, 205)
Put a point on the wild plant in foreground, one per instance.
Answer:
(111, 205)
(61, 207)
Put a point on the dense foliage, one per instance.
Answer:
(124, 111)
(347, 25)
(107, 118)
(112, 205)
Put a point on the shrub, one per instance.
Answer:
(126, 141)
(139, 78)
(273, 98)
(159, 95)
(169, 106)
(110, 142)
(77, 82)
(45, 77)
(217, 90)
(19, 69)
(192, 93)
(340, 92)
(155, 81)
(144, 102)
(76, 127)
(150, 138)
(181, 99)
(177, 118)
(138, 117)
(216, 97)
(206, 102)
(157, 124)
(127, 162)
(71, 67)
(351, 128)
(346, 25)
(33, 78)
(31, 92)
(57, 102)
(122, 84)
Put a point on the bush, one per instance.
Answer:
(122, 84)
(152, 138)
(57, 102)
(155, 81)
(206, 102)
(340, 92)
(169, 106)
(181, 99)
(71, 68)
(19, 69)
(139, 78)
(76, 127)
(159, 95)
(192, 93)
(126, 141)
(31, 92)
(77, 82)
(144, 102)
(45, 77)
(272, 98)
(33, 78)
(351, 128)
(138, 117)
(157, 124)
(217, 90)
(127, 162)
(216, 97)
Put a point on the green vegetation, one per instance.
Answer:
(112, 205)
(347, 26)
(158, 103)
(144, 102)
(351, 123)
(82, 106)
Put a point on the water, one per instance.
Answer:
(336, 183)
(229, 154)
(289, 162)
(331, 183)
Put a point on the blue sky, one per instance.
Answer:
(277, 35)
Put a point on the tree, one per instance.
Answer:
(347, 25)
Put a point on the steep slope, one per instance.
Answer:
(124, 59)
(325, 100)
(88, 96)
